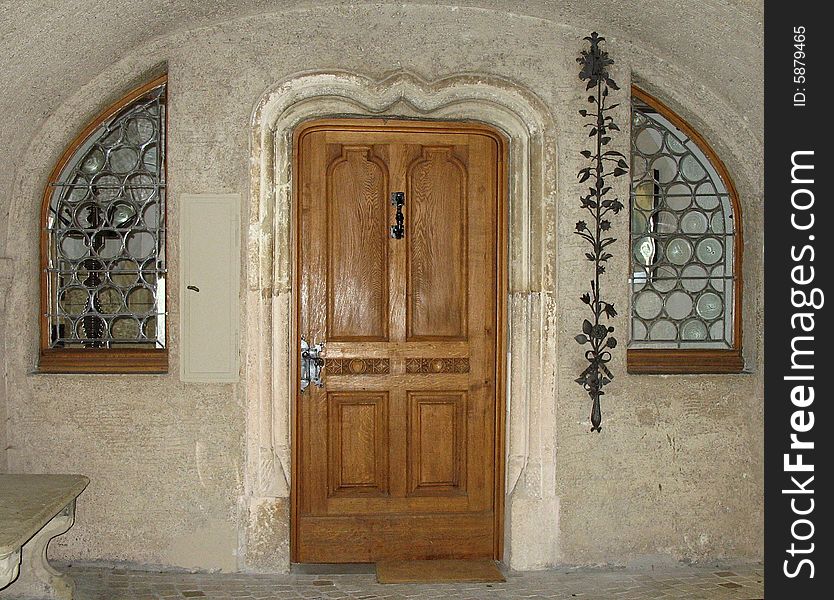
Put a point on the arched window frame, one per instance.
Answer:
(95, 360)
(697, 360)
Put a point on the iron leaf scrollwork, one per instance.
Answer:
(601, 163)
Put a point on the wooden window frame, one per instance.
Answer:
(697, 360)
(95, 360)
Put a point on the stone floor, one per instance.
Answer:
(743, 582)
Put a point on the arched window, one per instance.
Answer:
(685, 249)
(103, 243)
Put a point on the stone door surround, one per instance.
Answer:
(528, 126)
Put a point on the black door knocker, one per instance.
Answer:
(398, 230)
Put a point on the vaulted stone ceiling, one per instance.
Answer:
(50, 49)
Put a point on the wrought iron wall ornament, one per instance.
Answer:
(602, 163)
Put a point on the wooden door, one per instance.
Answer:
(400, 454)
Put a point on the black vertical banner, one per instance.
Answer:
(799, 244)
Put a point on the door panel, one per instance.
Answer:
(399, 454)
(436, 443)
(436, 248)
(357, 277)
(358, 444)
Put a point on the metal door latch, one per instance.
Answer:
(312, 364)
(398, 230)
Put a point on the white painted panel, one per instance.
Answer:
(210, 258)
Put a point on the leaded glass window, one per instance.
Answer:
(105, 234)
(683, 246)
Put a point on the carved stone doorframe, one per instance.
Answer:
(531, 505)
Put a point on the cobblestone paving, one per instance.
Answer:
(745, 583)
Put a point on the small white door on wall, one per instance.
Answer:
(209, 287)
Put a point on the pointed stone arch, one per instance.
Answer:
(267, 342)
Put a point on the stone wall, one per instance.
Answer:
(177, 469)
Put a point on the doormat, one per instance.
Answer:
(438, 571)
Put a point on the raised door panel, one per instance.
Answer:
(357, 277)
(357, 444)
(436, 443)
(436, 250)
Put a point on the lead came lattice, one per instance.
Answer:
(682, 240)
(106, 233)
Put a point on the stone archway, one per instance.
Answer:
(531, 505)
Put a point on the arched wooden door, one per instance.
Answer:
(399, 455)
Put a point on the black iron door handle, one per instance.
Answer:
(398, 229)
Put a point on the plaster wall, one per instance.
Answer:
(5, 283)
(676, 473)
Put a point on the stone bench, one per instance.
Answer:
(33, 510)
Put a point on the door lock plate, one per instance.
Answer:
(312, 364)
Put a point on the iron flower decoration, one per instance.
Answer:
(602, 163)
